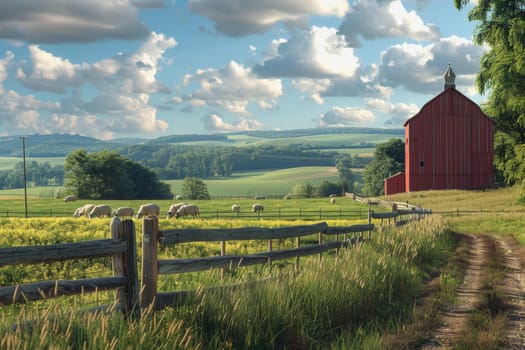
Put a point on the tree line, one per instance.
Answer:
(179, 162)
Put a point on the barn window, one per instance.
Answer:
(421, 163)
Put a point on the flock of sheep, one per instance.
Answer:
(145, 210)
(151, 209)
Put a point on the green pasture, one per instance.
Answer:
(327, 141)
(263, 183)
(293, 209)
(8, 163)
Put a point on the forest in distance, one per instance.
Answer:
(172, 157)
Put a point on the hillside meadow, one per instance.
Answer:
(241, 184)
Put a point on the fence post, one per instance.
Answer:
(297, 245)
(150, 229)
(223, 253)
(270, 248)
(370, 221)
(126, 265)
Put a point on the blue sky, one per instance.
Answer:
(148, 68)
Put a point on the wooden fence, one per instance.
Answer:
(152, 267)
(122, 248)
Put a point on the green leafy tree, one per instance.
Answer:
(501, 27)
(194, 188)
(343, 165)
(326, 188)
(389, 158)
(305, 190)
(108, 175)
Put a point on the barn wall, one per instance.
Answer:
(395, 184)
(449, 145)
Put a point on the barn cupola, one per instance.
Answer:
(450, 78)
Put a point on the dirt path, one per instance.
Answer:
(454, 317)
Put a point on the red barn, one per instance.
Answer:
(449, 144)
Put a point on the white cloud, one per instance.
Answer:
(398, 113)
(346, 116)
(4, 63)
(317, 53)
(232, 88)
(420, 68)
(215, 123)
(49, 72)
(255, 16)
(56, 21)
(373, 19)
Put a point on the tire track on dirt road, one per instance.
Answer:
(454, 317)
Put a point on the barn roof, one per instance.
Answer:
(450, 90)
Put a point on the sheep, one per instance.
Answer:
(83, 210)
(287, 197)
(100, 210)
(236, 208)
(149, 209)
(257, 208)
(178, 197)
(173, 209)
(124, 211)
(70, 198)
(332, 200)
(259, 197)
(188, 210)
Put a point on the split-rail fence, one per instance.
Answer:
(133, 293)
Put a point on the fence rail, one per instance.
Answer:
(279, 214)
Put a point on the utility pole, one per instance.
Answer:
(25, 173)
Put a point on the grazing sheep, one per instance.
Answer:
(188, 210)
(258, 208)
(70, 198)
(149, 209)
(100, 210)
(173, 209)
(178, 197)
(124, 211)
(332, 200)
(287, 197)
(259, 197)
(236, 208)
(83, 210)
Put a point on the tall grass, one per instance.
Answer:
(338, 301)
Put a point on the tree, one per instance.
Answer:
(108, 175)
(343, 165)
(389, 158)
(501, 27)
(326, 188)
(305, 190)
(194, 188)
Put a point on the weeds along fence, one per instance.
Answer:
(126, 281)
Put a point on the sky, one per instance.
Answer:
(148, 68)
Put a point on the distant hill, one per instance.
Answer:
(59, 145)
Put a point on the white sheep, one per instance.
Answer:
(236, 208)
(100, 210)
(178, 197)
(70, 198)
(83, 210)
(149, 209)
(124, 211)
(173, 209)
(257, 208)
(188, 210)
(332, 200)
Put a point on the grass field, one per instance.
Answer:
(265, 183)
